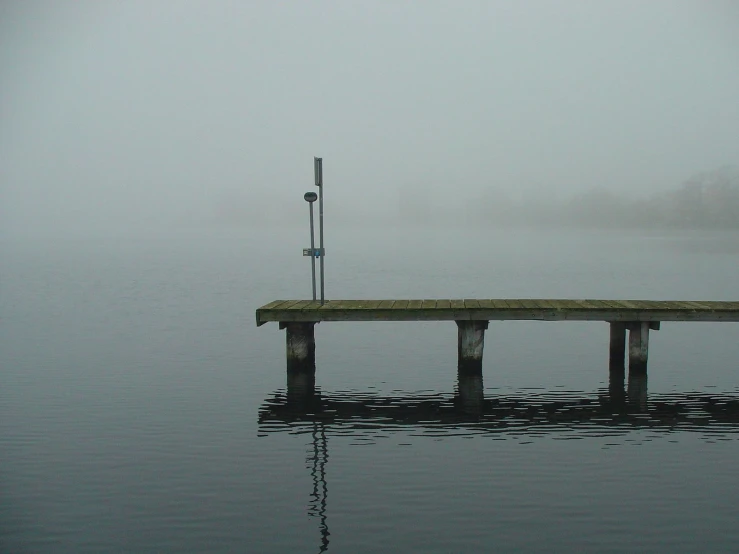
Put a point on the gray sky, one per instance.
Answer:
(135, 113)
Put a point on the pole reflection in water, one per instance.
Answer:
(302, 398)
(319, 497)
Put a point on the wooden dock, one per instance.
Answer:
(496, 310)
(298, 318)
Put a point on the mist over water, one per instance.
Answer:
(143, 410)
(132, 118)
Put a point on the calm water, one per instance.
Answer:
(141, 410)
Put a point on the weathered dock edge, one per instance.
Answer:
(496, 310)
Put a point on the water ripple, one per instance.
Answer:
(524, 413)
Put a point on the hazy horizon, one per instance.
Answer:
(157, 115)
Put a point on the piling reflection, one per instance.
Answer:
(470, 410)
(470, 397)
(637, 392)
(616, 380)
(304, 409)
(301, 390)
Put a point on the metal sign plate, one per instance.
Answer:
(318, 252)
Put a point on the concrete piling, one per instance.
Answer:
(470, 344)
(300, 346)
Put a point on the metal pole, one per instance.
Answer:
(318, 168)
(312, 251)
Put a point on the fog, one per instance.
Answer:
(139, 116)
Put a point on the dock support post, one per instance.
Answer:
(470, 343)
(639, 345)
(616, 385)
(301, 346)
(618, 345)
(616, 367)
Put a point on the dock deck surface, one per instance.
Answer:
(497, 310)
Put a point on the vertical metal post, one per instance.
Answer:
(318, 170)
(312, 251)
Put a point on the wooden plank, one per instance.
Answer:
(513, 304)
(698, 305)
(654, 305)
(428, 304)
(676, 305)
(289, 304)
(620, 304)
(273, 304)
(680, 305)
(386, 304)
(610, 305)
(725, 306)
(528, 304)
(443, 304)
(299, 305)
(331, 305)
(599, 304)
(569, 305)
(457, 304)
(673, 305)
(551, 304)
(486, 304)
(414, 304)
(400, 305)
(471, 304)
(640, 304)
(631, 304)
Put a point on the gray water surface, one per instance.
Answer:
(141, 410)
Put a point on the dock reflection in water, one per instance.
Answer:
(303, 409)
(470, 410)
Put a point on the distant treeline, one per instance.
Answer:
(707, 200)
